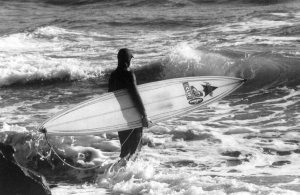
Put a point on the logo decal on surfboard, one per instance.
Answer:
(194, 95)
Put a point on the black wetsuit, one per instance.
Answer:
(122, 78)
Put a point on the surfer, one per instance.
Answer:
(123, 78)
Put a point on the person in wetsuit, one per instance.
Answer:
(123, 78)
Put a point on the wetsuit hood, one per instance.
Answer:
(124, 58)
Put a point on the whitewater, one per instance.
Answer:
(57, 53)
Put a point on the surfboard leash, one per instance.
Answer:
(44, 131)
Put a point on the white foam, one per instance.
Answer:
(255, 23)
(26, 67)
(184, 52)
(45, 54)
(13, 128)
(179, 182)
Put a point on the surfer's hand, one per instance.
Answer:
(145, 122)
(42, 130)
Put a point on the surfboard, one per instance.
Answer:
(163, 100)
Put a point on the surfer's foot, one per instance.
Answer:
(133, 156)
(122, 162)
(115, 167)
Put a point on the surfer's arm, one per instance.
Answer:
(135, 95)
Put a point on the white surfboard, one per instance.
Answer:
(163, 100)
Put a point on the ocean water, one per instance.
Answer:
(56, 53)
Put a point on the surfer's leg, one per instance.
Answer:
(125, 144)
(136, 142)
(131, 141)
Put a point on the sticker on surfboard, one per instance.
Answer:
(194, 95)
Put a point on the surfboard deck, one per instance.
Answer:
(163, 100)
